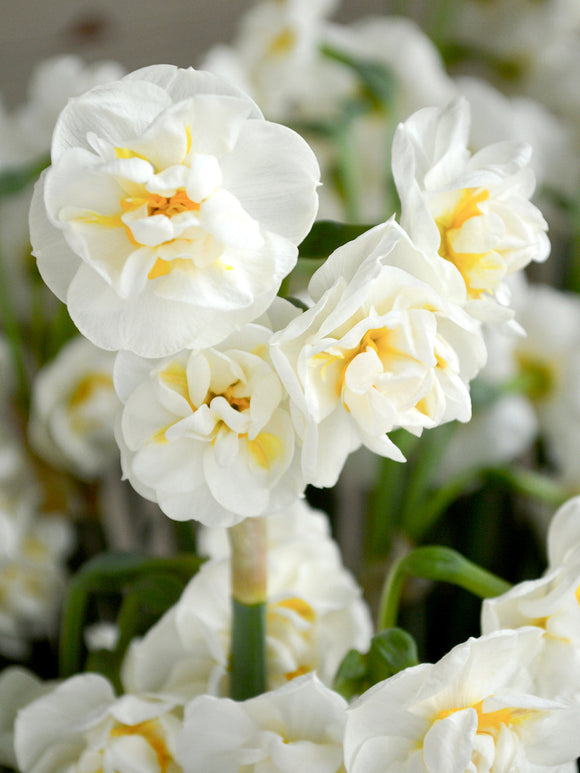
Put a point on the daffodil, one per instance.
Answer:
(385, 345)
(296, 727)
(475, 210)
(475, 710)
(82, 725)
(171, 211)
(314, 615)
(74, 407)
(207, 433)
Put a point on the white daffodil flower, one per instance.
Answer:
(171, 212)
(385, 345)
(297, 727)
(315, 614)
(551, 603)
(74, 407)
(18, 688)
(475, 210)
(207, 434)
(547, 361)
(82, 726)
(474, 711)
(276, 59)
(33, 550)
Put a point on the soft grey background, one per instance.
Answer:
(133, 33)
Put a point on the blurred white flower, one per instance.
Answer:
(497, 117)
(73, 410)
(297, 727)
(473, 209)
(551, 603)
(547, 363)
(33, 549)
(563, 540)
(171, 212)
(18, 688)
(474, 710)
(276, 59)
(297, 520)
(496, 435)
(53, 82)
(82, 726)
(207, 434)
(385, 345)
(315, 614)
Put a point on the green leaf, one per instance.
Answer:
(111, 574)
(351, 676)
(326, 235)
(391, 651)
(15, 179)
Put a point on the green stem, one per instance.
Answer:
(433, 562)
(248, 675)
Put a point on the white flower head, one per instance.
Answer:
(81, 725)
(171, 212)
(33, 550)
(473, 209)
(474, 710)
(74, 407)
(207, 433)
(386, 345)
(315, 614)
(18, 687)
(297, 727)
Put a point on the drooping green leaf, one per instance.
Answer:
(112, 574)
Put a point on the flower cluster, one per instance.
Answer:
(234, 354)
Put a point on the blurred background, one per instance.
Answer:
(133, 34)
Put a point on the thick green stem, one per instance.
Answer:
(442, 564)
(249, 593)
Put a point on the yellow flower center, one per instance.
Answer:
(471, 265)
(491, 721)
(264, 449)
(151, 732)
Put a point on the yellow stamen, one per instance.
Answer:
(150, 731)
(450, 223)
(491, 721)
(299, 606)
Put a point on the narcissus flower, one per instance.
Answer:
(74, 407)
(552, 604)
(472, 711)
(297, 727)
(171, 212)
(385, 345)
(207, 433)
(315, 614)
(82, 725)
(474, 209)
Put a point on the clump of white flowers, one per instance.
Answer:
(168, 222)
